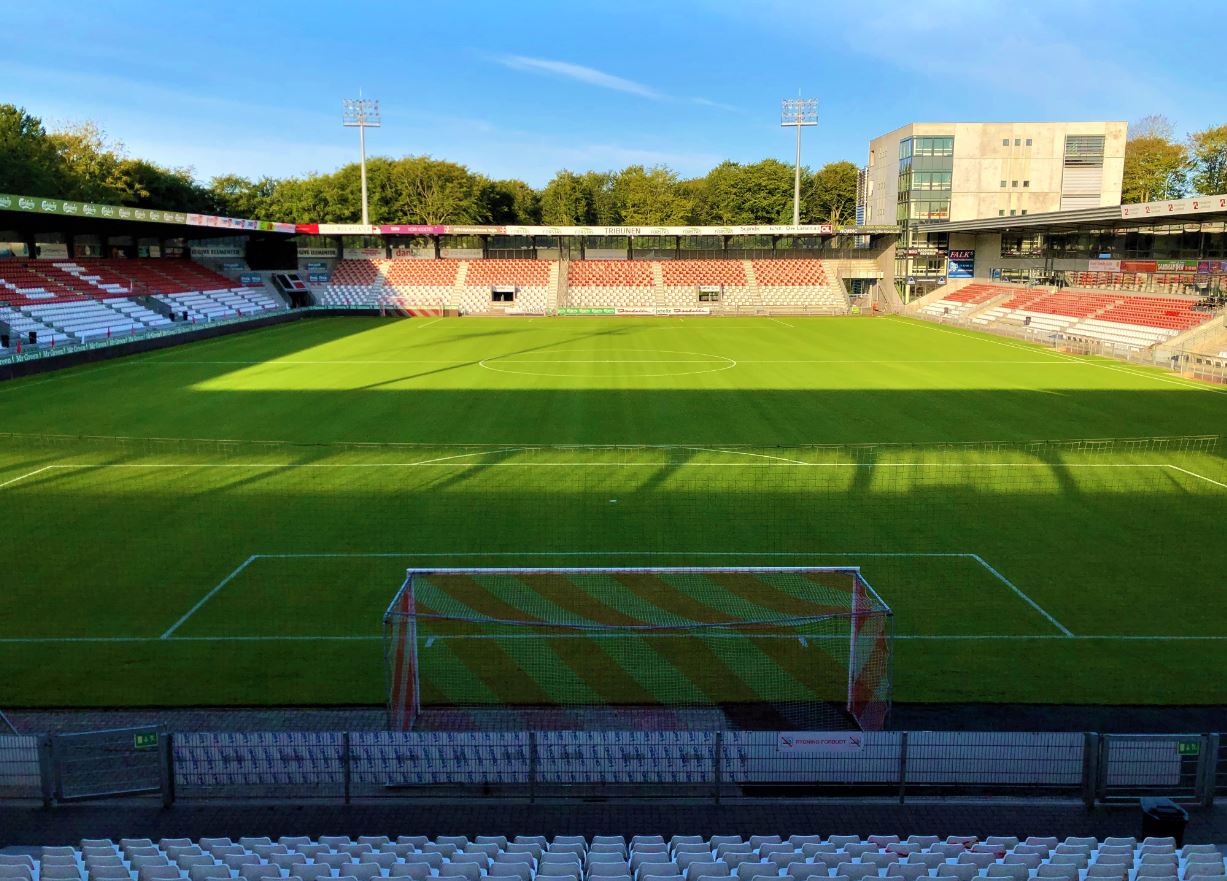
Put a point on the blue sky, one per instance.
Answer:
(523, 89)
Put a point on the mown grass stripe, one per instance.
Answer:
(760, 592)
(562, 591)
(706, 670)
(602, 673)
(668, 598)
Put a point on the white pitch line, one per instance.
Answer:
(783, 463)
(1023, 596)
(208, 596)
(1199, 476)
(917, 637)
(24, 476)
(745, 453)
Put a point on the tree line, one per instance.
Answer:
(1158, 166)
(79, 162)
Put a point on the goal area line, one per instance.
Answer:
(989, 569)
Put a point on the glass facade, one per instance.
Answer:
(926, 169)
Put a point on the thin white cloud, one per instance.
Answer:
(582, 74)
(718, 105)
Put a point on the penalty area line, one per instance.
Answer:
(24, 476)
(208, 596)
(1021, 595)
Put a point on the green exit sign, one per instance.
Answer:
(1188, 748)
(145, 740)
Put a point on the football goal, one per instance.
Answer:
(784, 648)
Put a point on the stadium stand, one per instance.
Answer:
(421, 282)
(963, 301)
(92, 298)
(600, 283)
(532, 279)
(796, 283)
(790, 284)
(1134, 321)
(615, 858)
(682, 279)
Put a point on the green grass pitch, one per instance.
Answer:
(241, 510)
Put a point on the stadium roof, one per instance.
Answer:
(419, 229)
(39, 213)
(1193, 209)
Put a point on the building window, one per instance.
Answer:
(1001, 212)
(1026, 184)
(1084, 151)
(1005, 142)
(1018, 142)
(1011, 212)
(930, 180)
(939, 145)
(1028, 142)
(1024, 211)
(905, 148)
(1003, 185)
(1014, 184)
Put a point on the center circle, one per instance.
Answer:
(588, 364)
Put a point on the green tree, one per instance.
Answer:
(565, 201)
(1155, 168)
(650, 197)
(93, 165)
(149, 185)
(745, 194)
(511, 202)
(236, 196)
(1209, 151)
(29, 163)
(426, 190)
(831, 194)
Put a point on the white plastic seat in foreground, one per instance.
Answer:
(1014, 871)
(959, 871)
(315, 871)
(1056, 871)
(521, 871)
(416, 871)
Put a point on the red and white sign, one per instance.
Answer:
(812, 742)
(1191, 205)
(1103, 266)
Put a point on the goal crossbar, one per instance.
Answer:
(772, 643)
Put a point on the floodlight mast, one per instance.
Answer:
(361, 113)
(798, 112)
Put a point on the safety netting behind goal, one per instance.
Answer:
(796, 648)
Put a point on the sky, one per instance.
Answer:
(520, 90)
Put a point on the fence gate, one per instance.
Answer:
(1179, 766)
(119, 761)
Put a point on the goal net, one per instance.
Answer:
(784, 648)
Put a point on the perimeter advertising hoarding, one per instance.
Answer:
(70, 208)
(357, 229)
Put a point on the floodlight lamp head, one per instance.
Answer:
(799, 111)
(360, 112)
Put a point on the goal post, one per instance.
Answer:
(787, 648)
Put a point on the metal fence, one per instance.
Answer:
(713, 765)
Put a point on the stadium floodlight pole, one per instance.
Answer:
(361, 113)
(798, 112)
